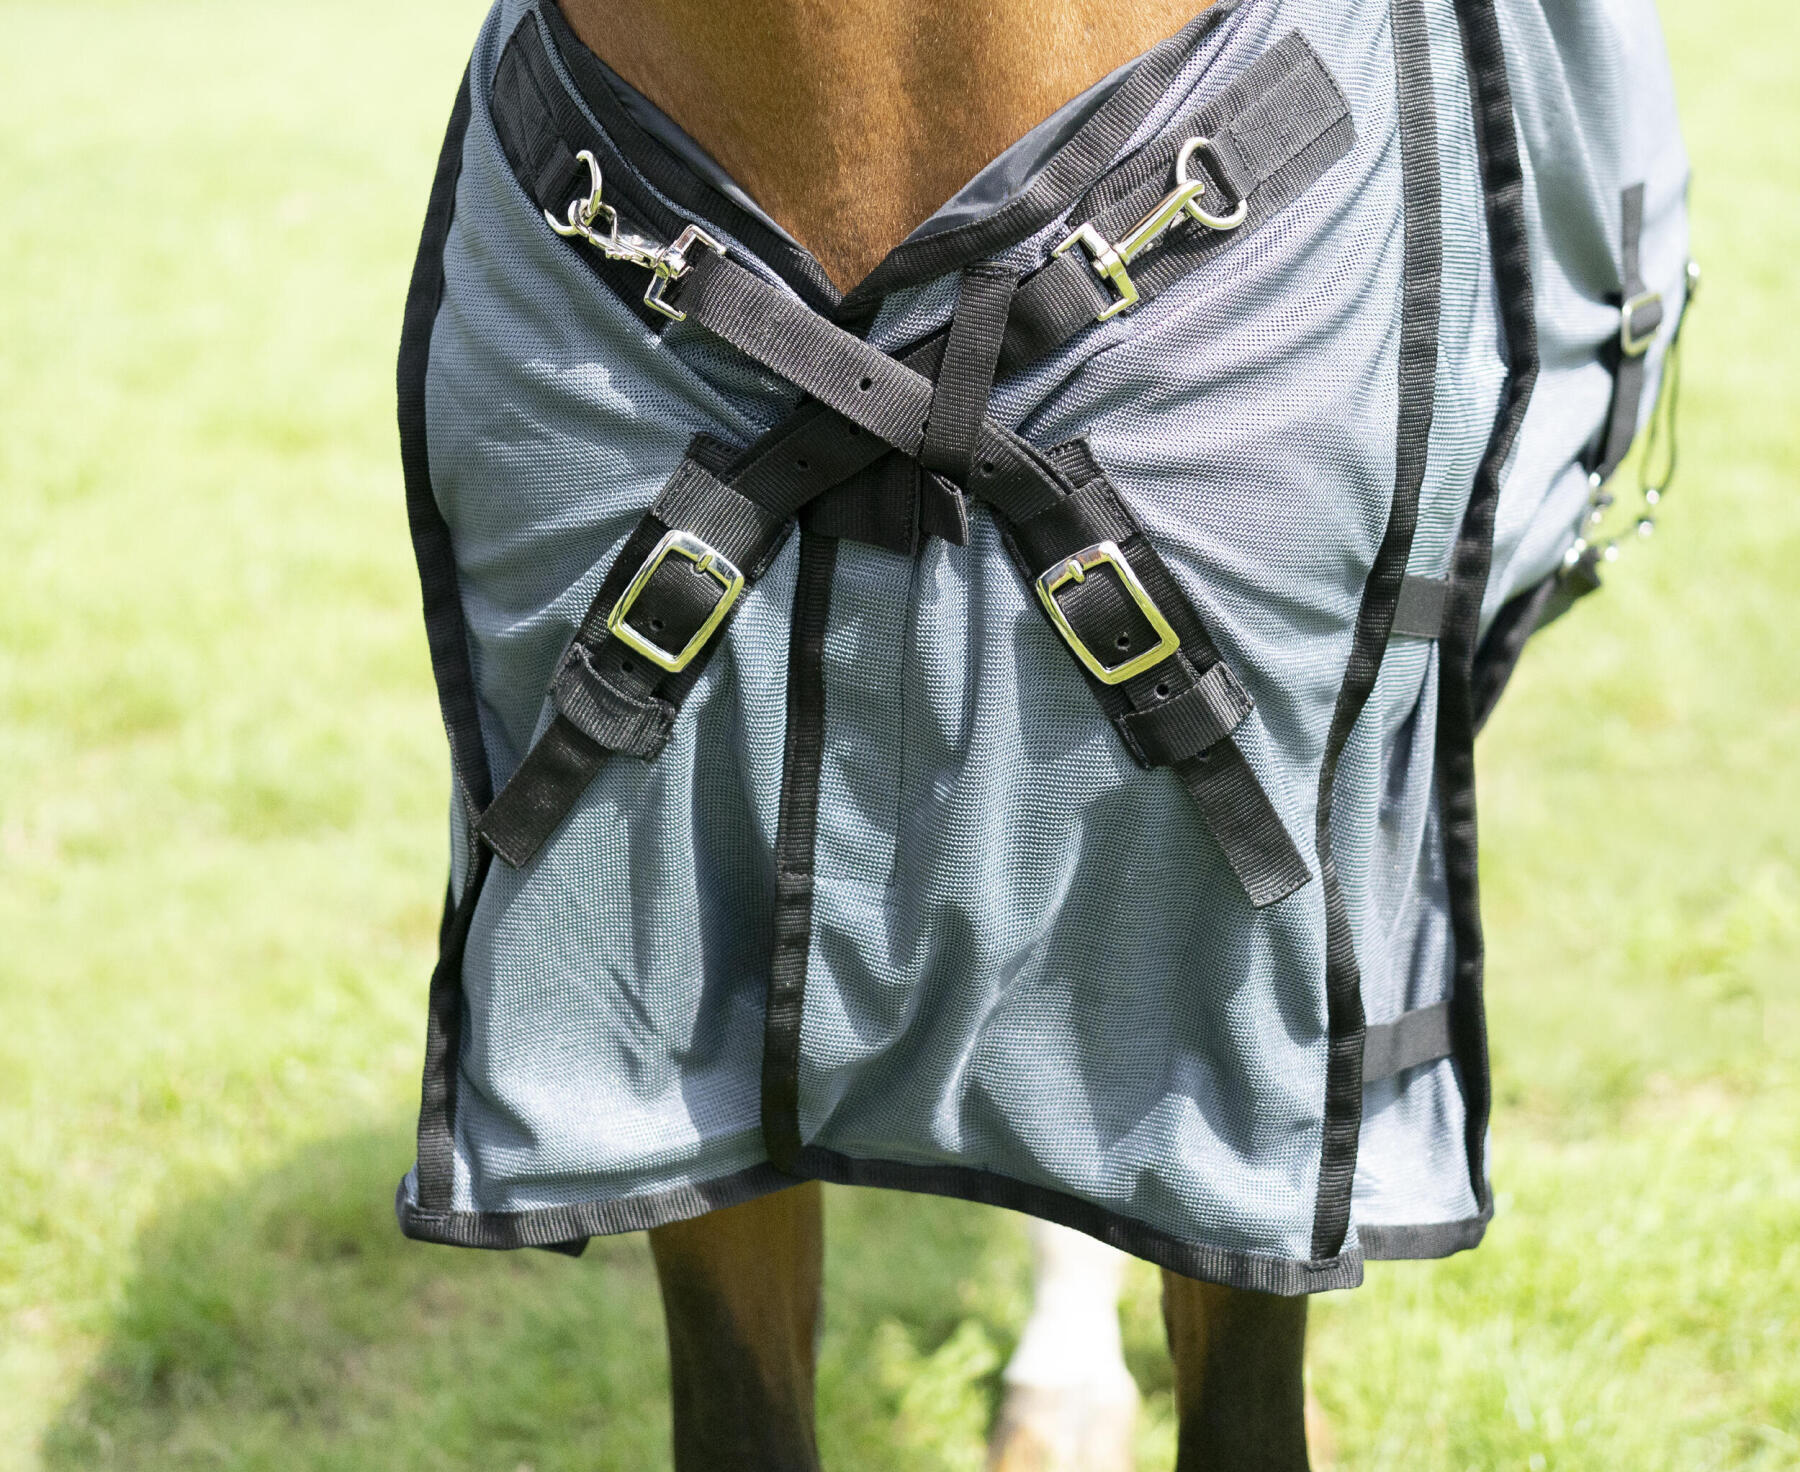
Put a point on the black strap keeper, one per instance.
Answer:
(605, 711)
(1199, 717)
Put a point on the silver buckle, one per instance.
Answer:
(1631, 344)
(707, 560)
(666, 263)
(1109, 260)
(1075, 570)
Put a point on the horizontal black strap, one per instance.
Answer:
(1419, 613)
(1412, 1038)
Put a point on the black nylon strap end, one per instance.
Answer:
(531, 807)
(1255, 841)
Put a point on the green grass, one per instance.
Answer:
(221, 839)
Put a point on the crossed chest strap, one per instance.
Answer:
(889, 449)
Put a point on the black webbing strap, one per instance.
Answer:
(1640, 314)
(608, 696)
(965, 375)
(1273, 132)
(1419, 613)
(1179, 713)
(881, 395)
(1412, 1038)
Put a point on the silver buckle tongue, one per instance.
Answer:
(1110, 259)
(666, 263)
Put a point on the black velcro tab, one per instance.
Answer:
(1419, 613)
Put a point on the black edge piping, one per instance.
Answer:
(1504, 187)
(448, 640)
(1419, 300)
(554, 1226)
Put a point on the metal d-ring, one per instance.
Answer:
(1200, 216)
(583, 212)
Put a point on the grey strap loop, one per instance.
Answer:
(1419, 613)
(1640, 315)
(1412, 1038)
(966, 375)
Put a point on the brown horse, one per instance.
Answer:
(850, 123)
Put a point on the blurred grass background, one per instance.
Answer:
(221, 844)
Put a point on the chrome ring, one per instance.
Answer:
(1212, 222)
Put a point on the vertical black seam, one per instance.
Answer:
(1422, 261)
(448, 640)
(1503, 186)
(794, 843)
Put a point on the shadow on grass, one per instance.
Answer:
(285, 1323)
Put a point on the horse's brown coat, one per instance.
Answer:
(851, 121)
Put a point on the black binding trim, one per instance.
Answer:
(562, 1227)
(448, 640)
(1255, 1271)
(1416, 1243)
(1504, 186)
(1420, 292)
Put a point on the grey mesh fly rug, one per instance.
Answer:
(1007, 731)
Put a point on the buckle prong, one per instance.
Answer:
(707, 560)
(1075, 569)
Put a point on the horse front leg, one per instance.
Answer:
(741, 1290)
(1071, 1404)
(1240, 1392)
